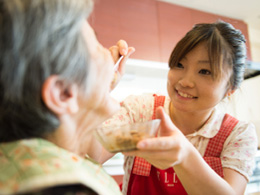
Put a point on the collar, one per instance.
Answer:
(211, 127)
(32, 164)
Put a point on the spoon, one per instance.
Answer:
(117, 63)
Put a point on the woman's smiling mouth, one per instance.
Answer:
(185, 95)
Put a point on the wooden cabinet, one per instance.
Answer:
(152, 27)
(174, 22)
(132, 20)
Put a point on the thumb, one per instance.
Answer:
(167, 126)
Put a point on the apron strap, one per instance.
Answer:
(215, 145)
(141, 166)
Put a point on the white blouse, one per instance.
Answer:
(239, 148)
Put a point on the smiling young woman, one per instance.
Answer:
(199, 149)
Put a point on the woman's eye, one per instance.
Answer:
(179, 65)
(204, 71)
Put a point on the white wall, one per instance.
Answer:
(142, 76)
(245, 103)
(254, 38)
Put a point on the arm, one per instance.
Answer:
(98, 152)
(198, 178)
(172, 149)
(129, 112)
(95, 150)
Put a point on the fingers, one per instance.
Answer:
(131, 50)
(121, 49)
(114, 50)
(121, 67)
(159, 143)
(124, 50)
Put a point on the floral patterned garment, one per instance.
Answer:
(239, 148)
(35, 164)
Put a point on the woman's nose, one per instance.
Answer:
(187, 81)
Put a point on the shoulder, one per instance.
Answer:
(140, 108)
(240, 148)
(138, 99)
(136, 108)
(244, 134)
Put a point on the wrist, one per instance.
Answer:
(186, 158)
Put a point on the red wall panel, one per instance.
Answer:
(105, 21)
(132, 20)
(152, 27)
(140, 28)
(174, 21)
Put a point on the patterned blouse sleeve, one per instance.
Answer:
(240, 149)
(133, 109)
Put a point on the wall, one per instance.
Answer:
(151, 26)
(254, 35)
(245, 104)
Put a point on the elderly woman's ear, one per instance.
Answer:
(59, 97)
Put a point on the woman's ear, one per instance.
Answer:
(58, 97)
(229, 92)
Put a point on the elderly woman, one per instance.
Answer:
(54, 81)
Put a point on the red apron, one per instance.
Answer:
(147, 179)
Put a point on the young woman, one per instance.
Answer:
(198, 150)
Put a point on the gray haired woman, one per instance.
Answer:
(54, 81)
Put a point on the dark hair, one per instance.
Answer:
(38, 38)
(70, 189)
(226, 45)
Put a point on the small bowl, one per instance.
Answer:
(124, 138)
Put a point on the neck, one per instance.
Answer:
(76, 136)
(65, 136)
(189, 122)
